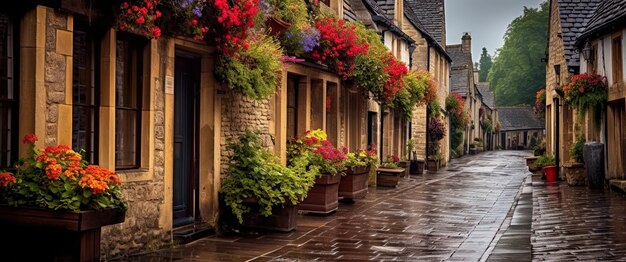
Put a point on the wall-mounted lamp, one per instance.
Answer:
(587, 51)
(557, 72)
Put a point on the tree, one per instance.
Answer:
(517, 72)
(485, 65)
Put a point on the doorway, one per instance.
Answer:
(186, 111)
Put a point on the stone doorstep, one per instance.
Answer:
(618, 185)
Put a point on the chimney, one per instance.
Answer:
(466, 43)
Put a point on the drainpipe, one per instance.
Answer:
(555, 102)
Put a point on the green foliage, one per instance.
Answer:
(255, 72)
(485, 65)
(517, 71)
(534, 143)
(361, 158)
(254, 172)
(577, 149)
(318, 152)
(545, 160)
(457, 139)
(435, 108)
(369, 67)
(291, 11)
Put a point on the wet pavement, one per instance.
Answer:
(453, 215)
(576, 223)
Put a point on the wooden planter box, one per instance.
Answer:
(575, 174)
(405, 165)
(433, 165)
(417, 167)
(388, 177)
(354, 184)
(473, 151)
(53, 235)
(283, 218)
(323, 198)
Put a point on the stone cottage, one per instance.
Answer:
(152, 110)
(520, 126)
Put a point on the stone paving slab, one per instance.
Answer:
(453, 215)
(577, 224)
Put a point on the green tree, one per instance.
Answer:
(485, 65)
(517, 71)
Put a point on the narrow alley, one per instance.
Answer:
(453, 214)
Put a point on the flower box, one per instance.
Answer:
(575, 174)
(532, 166)
(323, 198)
(56, 235)
(388, 177)
(277, 26)
(417, 167)
(405, 164)
(283, 218)
(433, 165)
(354, 184)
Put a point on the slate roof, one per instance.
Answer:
(574, 15)
(379, 15)
(348, 13)
(432, 15)
(519, 118)
(607, 14)
(459, 81)
(459, 58)
(411, 15)
(489, 97)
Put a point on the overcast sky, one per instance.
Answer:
(485, 20)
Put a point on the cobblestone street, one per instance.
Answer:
(453, 214)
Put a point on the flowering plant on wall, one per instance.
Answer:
(369, 68)
(57, 178)
(396, 71)
(436, 129)
(138, 17)
(318, 151)
(540, 101)
(339, 46)
(187, 18)
(455, 105)
(586, 91)
(230, 23)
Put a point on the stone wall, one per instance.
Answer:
(241, 113)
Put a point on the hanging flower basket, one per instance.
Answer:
(587, 91)
(277, 26)
(540, 101)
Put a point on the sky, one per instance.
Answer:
(485, 20)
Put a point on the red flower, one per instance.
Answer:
(6, 179)
(143, 10)
(125, 5)
(140, 20)
(53, 171)
(194, 21)
(135, 8)
(30, 139)
(157, 14)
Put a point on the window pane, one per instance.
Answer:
(125, 138)
(8, 104)
(127, 77)
(84, 89)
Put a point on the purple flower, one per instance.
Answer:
(197, 11)
(185, 3)
(310, 39)
(291, 59)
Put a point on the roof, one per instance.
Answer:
(607, 14)
(432, 15)
(574, 16)
(459, 58)
(380, 16)
(459, 81)
(410, 14)
(519, 118)
(488, 96)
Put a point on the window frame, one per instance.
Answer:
(94, 106)
(13, 103)
(617, 63)
(139, 46)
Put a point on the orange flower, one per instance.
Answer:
(91, 182)
(53, 171)
(6, 178)
(30, 139)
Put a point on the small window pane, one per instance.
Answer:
(8, 103)
(84, 90)
(126, 138)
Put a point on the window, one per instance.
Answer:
(8, 93)
(292, 106)
(128, 92)
(617, 59)
(85, 95)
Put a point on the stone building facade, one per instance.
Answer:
(134, 104)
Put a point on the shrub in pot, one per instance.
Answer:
(318, 155)
(258, 185)
(575, 172)
(548, 164)
(389, 173)
(354, 182)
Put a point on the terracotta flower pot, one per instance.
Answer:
(277, 26)
(433, 165)
(323, 198)
(550, 172)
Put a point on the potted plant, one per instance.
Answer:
(259, 191)
(547, 163)
(575, 172)
(416, 167)
(472, 148)
(353, 184)
(321, 157)
(389, 173)
(54, 194)
(436, 131)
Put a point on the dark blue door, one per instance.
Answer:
(186, 89)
